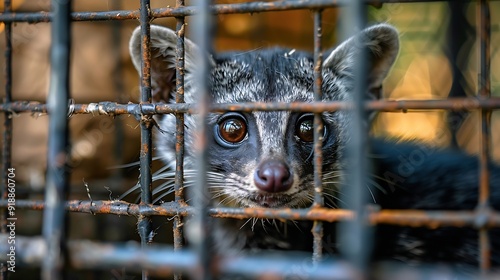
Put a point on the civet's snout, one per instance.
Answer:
(273, 176)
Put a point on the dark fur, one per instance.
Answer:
(428, 179)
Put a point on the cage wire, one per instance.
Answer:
(54, 253)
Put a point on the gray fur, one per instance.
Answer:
(275, 75)
(439, 180)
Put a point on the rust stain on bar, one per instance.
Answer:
(144, 223)
(146, 67)
(317, 229)
(23, 106)
(318, 123)
(413, 218)
(323, 214)
(178, 226)
(171, 12)
(240, 8)
(113, 108)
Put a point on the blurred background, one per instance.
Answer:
(438, 59)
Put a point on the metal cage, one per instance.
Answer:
(53, 252)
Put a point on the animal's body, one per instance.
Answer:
(264, 159)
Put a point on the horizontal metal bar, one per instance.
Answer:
(257, 7)
(112, 108)
(252, 7)
(413, 218)
(24, 107)
(163, 260)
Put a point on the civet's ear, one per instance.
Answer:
(163, 44)
(382, 44)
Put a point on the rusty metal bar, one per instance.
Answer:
(484, 86)
(144, 223)
(250, 7)
(317, 229)
(56, 192)
(456, 104)
(178, 229)
(113, 108)
(7, 134)
(24, 106)
(254, 7)
(413, 218)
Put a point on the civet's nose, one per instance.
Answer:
(273, 176)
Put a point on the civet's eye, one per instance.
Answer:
(231, 129)
(304, 129)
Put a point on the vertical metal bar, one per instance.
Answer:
(7, 134)
(119, 85)
(458, 47)
(144, 224)
(354, 233)
(317, 229)
(54, 218)
(179, 144)
(199, 231)
(483, 25)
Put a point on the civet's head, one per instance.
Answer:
(265, 158)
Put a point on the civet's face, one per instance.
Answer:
(261, 158)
